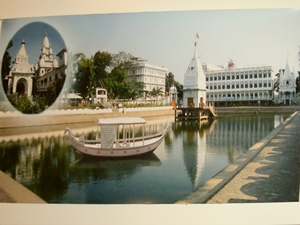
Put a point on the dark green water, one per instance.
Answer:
(191, 154)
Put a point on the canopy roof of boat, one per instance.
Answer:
(121, 121)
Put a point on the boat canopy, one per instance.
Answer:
(121, 121)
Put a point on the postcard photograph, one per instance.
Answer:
(183, 107)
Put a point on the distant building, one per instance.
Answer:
(48, 68)
(173, 95)
(151, 75)
(244, 86)
(287, 86)
(194, 87)
(21, 75)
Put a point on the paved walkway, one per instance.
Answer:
(268, 172)
(13, 192)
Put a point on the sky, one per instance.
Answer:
(260, 37)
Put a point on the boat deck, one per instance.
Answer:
(116, 145)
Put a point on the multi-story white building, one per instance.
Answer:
(239, 86)
(152, 76)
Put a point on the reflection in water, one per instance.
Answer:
(194, 142)
(110, 169)
(190, 155)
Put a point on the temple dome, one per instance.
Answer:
(22, 54)
(231, 64)
(194, 77)
(46, 42)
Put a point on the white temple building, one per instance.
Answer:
(287, 86)
(48, 68)
(23, 76)
(194, 87)
(173, 94)
(20, 78)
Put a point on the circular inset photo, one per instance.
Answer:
(34, 68)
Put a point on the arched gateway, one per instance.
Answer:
(20, 78)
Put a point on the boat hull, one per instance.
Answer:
(97, 151)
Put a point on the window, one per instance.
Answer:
(228, 77)
(260, 85)
(232, 77)
(242, 86)
(246, 76)
(260, 75)
(255, 85)
(237, 86)
(246, 85)
(206, 78)
(215, 78)
(223, 77)
(223, 87)
(251, 86)
(242, 76)
(251, 76)
(232, 86)
(255, 75)
(237, 77)
(211, 78)
(228, 86)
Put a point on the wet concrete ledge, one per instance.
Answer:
(224, 111)
(63, 117)
(205, 192)
(13, 192)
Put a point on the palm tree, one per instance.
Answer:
(156, 92)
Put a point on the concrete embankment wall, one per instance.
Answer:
(224, 111)
(16, 119)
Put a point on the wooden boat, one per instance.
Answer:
(118, 138)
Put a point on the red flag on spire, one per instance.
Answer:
(197, 35)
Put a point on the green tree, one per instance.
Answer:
(179, 88)
(5, 69)
(134, 88)
(277, 80)
(298, 83)
(85, 76)
(170, 81)
(124, 60)
(102, 61)
(21, 103)
(156, 92)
